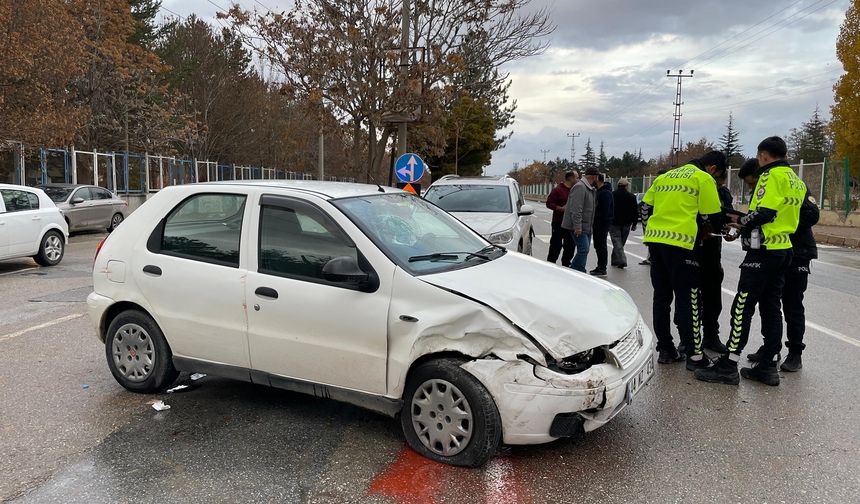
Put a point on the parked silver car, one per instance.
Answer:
(87, 207)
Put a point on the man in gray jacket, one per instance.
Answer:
(579, 216)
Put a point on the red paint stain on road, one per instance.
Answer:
(411, 479)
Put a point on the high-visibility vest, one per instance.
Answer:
(779, 189)
(678, 197)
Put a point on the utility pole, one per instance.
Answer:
(572, 137)
(525, 162)
(676, 130)
(544, 151)
(404, 61)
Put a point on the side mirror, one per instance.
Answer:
(345, 269)
(526, 210)
(77, 201)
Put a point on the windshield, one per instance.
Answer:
(470, 198)
(416, 235)
(57, 194)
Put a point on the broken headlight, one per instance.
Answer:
(580, 362)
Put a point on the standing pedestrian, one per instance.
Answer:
(579, 216)
(624, 220)
(708, 253)
(765, 235)
(561, 240)
(603, 215)
(678, 198)
(804, 250)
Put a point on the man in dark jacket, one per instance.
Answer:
(804, 251)
(626, 213)
(561, 239)
(603, 215)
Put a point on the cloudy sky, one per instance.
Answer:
(769, 62)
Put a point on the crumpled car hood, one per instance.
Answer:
(565, 311)
(486, 223)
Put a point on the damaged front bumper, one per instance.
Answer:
(538, 405)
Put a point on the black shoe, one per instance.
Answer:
(646, 262)
(622, 266)
(702, 363)
(756, 356)
(715, 345)
(724, 370)
(683, 350)
(793, 363)
(669, 356)
(764, 372)
(597, 272)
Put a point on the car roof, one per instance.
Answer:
(328, 190)
(18, 187)
(499, 180)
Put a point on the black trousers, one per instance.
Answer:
(675, 275)
(560, 240)
(796, 281)
(761, 283)
(601, 234)
(711, 274)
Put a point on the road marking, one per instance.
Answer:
(18, 271)
(544, 238)
(22, 332)
(548, 222)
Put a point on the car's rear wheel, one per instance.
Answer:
(115, 221)
(138, 354)
(51, 249)
(449, 416)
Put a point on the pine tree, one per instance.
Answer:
(846, 120)
(601, 158)
(810, 143)
(729, 144)
(588, 160)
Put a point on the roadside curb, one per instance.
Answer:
(839, 241)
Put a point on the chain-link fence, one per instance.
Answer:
(125, 172)
(830, 183)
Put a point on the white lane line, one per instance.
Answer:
(22, 332)
(18, 271)
(810, 325)
(544, 238)
(548, 222)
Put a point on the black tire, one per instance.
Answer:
(161, 374)
(115, 221)
(47, 255)
(486, 424)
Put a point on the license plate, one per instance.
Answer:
(641, 378)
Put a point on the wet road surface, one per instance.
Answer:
(70, 433)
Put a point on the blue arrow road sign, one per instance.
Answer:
(409, 168)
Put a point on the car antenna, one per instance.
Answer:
(380, 188)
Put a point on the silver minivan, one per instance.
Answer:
(87, 207)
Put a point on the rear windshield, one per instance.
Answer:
(57, 194)
(470, 198)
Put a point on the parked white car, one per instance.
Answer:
(492, 206)
(371, 296)
(31, 226)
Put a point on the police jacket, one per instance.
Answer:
(803, 240)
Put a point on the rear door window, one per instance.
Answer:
(19, 201)
(205, 227)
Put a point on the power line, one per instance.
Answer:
(180, 16)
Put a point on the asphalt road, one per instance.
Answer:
(70, 433)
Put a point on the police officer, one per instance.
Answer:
(774, 215)
(678, 198)
(804, 250)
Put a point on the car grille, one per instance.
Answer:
(626, 348)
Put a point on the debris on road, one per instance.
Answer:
(86, 386)
(178, 387)
(197, 376)
(160, 406)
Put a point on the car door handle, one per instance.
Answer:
(37, 218)
(152, 270)
(266, 292)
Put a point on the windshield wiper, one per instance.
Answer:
(438, 256)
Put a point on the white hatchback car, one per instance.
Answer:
(31, 225)
(492, 206)
(371, 296)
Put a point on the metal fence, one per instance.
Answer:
(125, 172)
(830, 182)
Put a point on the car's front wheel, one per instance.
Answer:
(449, 416)
(51, 249)
(138, 354)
